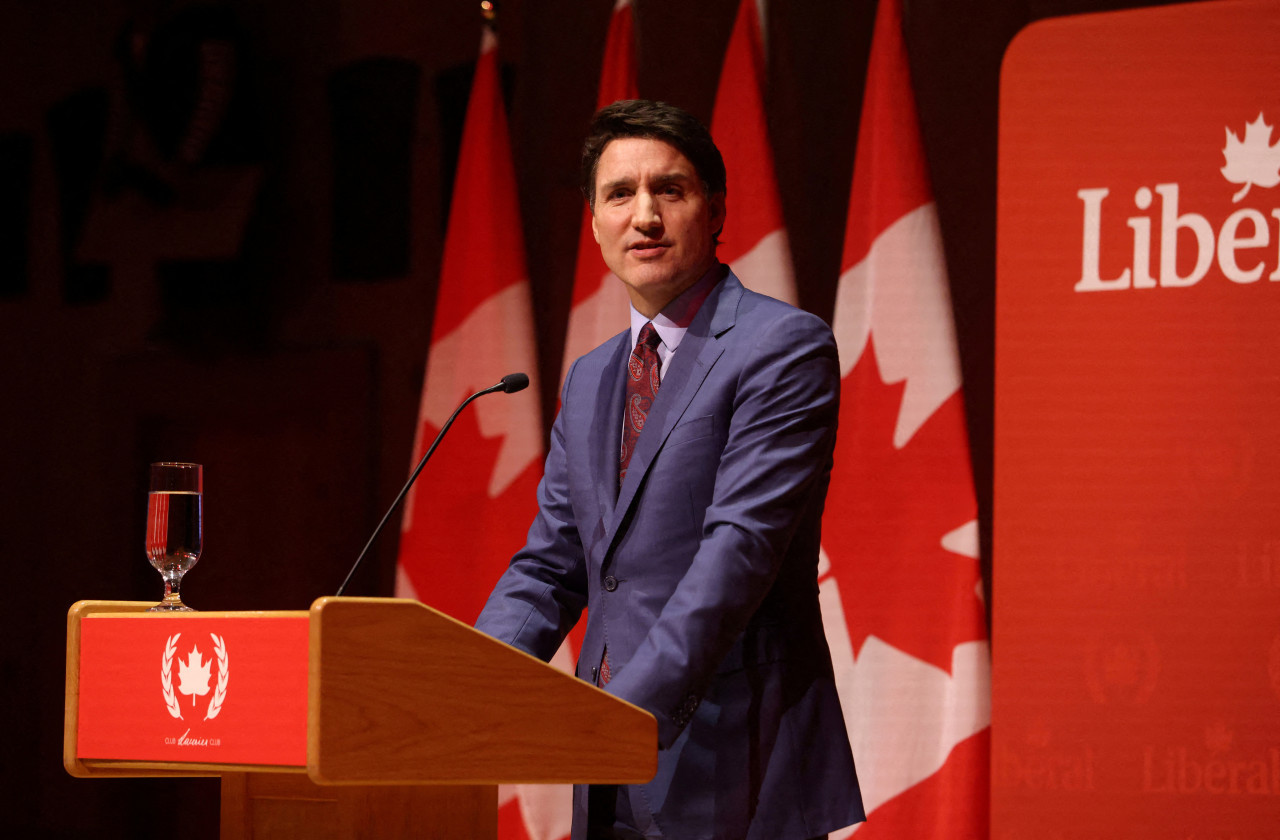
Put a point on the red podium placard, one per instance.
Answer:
(194, 688)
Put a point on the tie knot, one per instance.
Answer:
(648, 337)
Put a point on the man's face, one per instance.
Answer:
(654, 221)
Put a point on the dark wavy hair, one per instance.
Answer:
(651, 120)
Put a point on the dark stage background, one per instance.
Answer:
(266, 309)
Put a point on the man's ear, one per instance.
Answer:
(595, 231)
(717, 212)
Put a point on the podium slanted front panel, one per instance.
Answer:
(403, 693)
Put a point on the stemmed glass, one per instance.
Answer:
(174, 526)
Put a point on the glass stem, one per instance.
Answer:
(172, 583)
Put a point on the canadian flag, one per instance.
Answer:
(756, 244)
(464, 522)
(900, 583)
(599, 299)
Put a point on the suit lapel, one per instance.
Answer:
(605, 438)
(694, 359)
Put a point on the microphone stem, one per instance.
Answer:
(412, 478)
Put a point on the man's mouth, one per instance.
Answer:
(648, 248)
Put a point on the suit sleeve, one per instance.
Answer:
(544, 589)
(773, 468)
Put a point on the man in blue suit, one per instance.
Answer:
(681, 504)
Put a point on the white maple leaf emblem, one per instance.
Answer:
(1252, 160)
(193, 675)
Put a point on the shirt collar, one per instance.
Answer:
(674, 319)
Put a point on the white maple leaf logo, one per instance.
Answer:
(1253, 160)
(193, 675)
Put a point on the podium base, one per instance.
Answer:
(267, 806)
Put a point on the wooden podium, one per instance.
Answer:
(411, 721)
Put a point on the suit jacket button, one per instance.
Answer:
(610, 583)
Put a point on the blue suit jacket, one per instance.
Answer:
(700, 571)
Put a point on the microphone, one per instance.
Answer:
(510, 384)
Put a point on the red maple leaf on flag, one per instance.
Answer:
(887, 512)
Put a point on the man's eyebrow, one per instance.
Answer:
(666, 178)
(611, 185)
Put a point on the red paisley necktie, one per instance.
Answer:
(643, 377)
(644, 370)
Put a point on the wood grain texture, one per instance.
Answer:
(400, 693)
(271, 806)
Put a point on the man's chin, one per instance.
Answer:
(649, 280)
(655, 288)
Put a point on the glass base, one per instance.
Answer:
(170, 606)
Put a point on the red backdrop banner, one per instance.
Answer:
(1136, 682)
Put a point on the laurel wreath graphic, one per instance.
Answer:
(220, 692)
(166, 675)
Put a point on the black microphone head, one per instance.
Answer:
(513, 382)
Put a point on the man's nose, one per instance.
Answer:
(644, 212)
